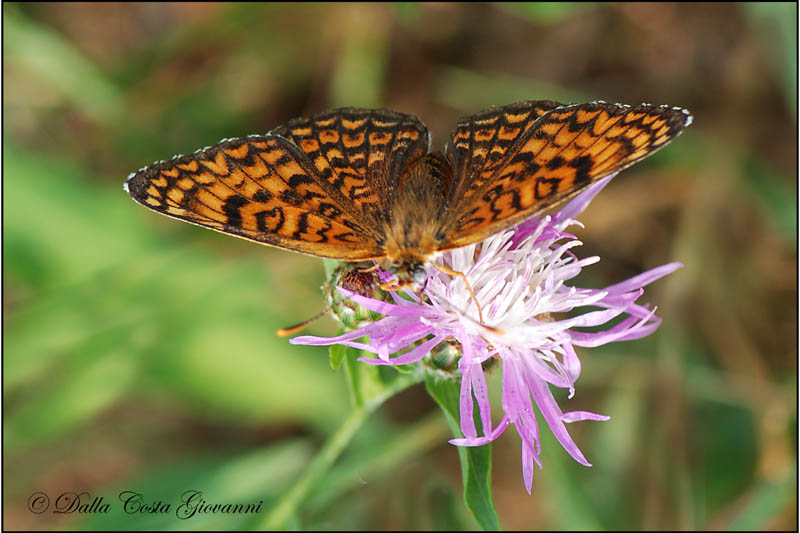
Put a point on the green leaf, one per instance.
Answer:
(364, 380)
(476, 461)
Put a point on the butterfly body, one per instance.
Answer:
(414, 231)
(360, 184)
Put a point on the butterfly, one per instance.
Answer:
(362, 184)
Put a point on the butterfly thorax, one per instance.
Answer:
(413, 231)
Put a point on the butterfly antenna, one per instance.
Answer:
(285, 332)
(461, 275)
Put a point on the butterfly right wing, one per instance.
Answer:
(262, 188)
(546, 161)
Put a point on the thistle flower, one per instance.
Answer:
(521, 279)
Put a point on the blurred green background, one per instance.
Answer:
(140, 352)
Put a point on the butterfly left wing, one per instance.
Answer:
(321, 185)
(552, 158)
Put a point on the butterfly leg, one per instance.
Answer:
(390, 285)
(461, 275)
(373, 268)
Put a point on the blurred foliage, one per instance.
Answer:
(140, 353)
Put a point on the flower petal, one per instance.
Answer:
(411, 357)
(552, 414)
(577, 416)
(384, 308)
(645, 278)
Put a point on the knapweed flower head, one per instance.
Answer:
(531, 319)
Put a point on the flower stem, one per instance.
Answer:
(286, 508)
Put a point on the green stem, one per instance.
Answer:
(280, 515)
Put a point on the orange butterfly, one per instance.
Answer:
(360, 184)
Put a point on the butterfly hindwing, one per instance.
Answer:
(563, 151)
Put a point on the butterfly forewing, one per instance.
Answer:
(560, 153)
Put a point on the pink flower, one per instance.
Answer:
(521, 279)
